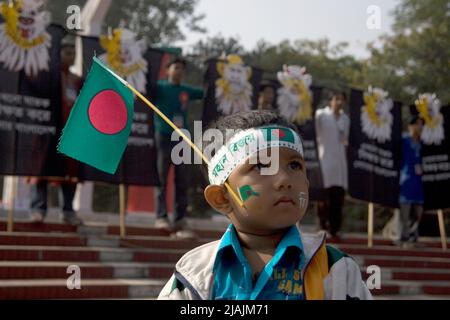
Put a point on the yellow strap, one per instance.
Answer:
(315, 273)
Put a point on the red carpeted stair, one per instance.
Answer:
(34, 261)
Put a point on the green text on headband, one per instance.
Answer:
(245, 144)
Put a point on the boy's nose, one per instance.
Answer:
(282, 180)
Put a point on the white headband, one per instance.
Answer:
(246, 143)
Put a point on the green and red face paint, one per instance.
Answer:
(246, 192)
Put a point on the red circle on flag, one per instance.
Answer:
(108, 112)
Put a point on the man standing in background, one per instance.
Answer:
(70, 87)
(411, 189)
(172, 98)
(332, 129)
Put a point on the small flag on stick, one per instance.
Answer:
(99, 124)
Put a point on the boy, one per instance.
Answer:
(262, 255)
(411, 189)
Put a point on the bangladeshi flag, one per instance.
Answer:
(99, 124)
(278, 134)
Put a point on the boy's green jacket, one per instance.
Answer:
(328, 273)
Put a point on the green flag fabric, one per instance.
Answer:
(99, 124)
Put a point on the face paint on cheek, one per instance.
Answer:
(246, 191)
(303, 200)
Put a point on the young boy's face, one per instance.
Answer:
(271, 202)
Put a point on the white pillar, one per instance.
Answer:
(92, 17)
(82, 201)
(22, 202)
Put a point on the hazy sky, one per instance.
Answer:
(277, 20)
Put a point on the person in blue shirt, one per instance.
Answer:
(411, 189)
(262, 255)
(172, 99)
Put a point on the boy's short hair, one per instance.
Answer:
(176, 60)
(414, 118)
(335, 93)
(68, 42)
(243, 121)
(267, 84)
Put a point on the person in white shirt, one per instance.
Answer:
(332, 129)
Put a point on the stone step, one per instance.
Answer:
(138, 242)
(150, 231)
(425, 252)
(41, 239)
(58, 270)
(420, 274)
(412, 297)
(26, 226)
(150, 288)
(404, 262)
(403, 287)
(34, 261)
(9, 288)
(101, 228)
(90, 289)
(86, 254)
(95, 240)
(162, 254)
(413, 274)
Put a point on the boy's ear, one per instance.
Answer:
(218, 199)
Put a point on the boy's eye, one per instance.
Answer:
(296, 165)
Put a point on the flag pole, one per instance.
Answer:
(440, 214)
(370, 226)
(122, 209)
(177, 130)
(10, 225)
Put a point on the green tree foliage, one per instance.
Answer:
(413, 58)
(328, 64)
(416, 57)
(58, 9)
(216, 46)
(158, 21)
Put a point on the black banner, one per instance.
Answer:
(232, 87)
(436, 158)
(374, 151)
(138, 165)
(30, 105)
(308, 134)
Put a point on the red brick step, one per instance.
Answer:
(41, 239)
(57, 289)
